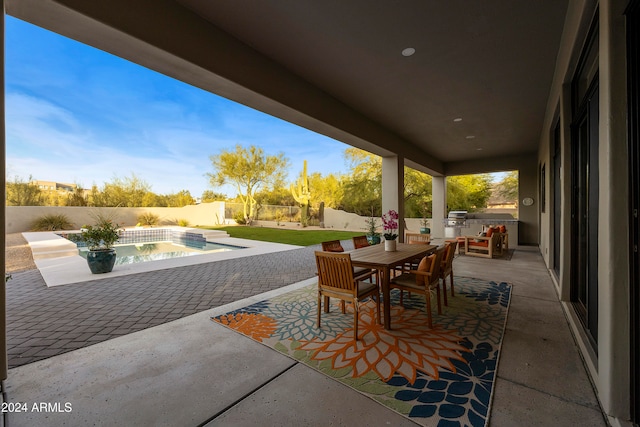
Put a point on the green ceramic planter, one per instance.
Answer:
(373, 240)
(101, 261)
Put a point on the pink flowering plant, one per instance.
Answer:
(390, 225)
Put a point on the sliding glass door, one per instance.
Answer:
(585, 180)
(557, 200)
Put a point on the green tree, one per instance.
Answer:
(508, 187)
(53, 198)
(129, 192)
(151, 199)
(95, 197)
(417, 194)
(77, 197)
(278, 196)
(327, 189)
(23, 193)
(132, 189)
(211, 196)
(113, 195)
(180, 199)
(250, 170)
(362, 187)
(468, 192)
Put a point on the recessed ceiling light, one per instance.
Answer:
(408, 51)
(470, 136)
(459, 119)
(478, 149)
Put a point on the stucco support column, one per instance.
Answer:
(613, 279)
(3, 161)
(393, 189)
(438, 206)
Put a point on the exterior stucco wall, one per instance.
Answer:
(610, 366)
(341, 220)
(20, 218)
(546, 217)
(528, 215)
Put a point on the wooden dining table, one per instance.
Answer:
(375, 257)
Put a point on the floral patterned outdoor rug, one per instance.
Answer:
(438, 377)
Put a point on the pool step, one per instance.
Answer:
(208, 234)
(49, 245)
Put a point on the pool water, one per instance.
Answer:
(144, 252)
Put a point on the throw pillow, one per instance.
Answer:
(425, 265)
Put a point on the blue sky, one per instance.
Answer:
(75, 114)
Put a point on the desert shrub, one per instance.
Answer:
(52, 222)
(239, 218)
(183, 222)
(104, 218)
(148, 219)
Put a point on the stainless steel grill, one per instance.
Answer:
(457, 219)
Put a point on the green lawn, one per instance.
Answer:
(291, 237)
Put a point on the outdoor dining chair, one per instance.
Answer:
(417, 238)
(336, 279)
(360, 242)
(359, 272)
(424, 279)
(446, 268)
(413, 239)
(332, 246)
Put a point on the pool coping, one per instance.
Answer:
(72, 268)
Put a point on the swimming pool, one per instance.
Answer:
(157, 251)
(59, 264)
(136, 246)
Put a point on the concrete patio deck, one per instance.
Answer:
(45, 321)
(191, 371)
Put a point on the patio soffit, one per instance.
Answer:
(337, 67)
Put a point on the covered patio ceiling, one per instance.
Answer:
(336, 67)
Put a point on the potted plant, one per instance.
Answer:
(373, 237)
(390, 226)
(100, 239)
(424, 226)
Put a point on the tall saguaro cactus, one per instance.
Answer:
(302, 194)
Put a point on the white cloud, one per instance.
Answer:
(49, 142)
(35, 124)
